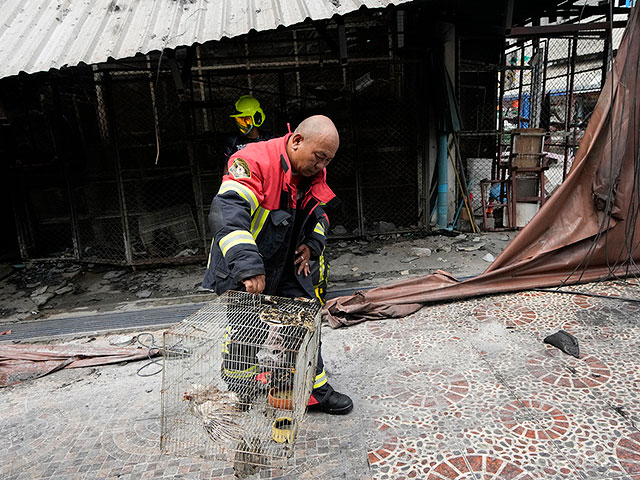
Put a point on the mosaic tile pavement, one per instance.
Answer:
(463, 390)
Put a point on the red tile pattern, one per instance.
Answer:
(534, 420)
(583, 301)
(510, 315)
(531, 294)
(586, 372)
(380, 329)
(477, 466)
(389, 445)
(628, 453)
(427, 387)
(587, 302)
(575, 327)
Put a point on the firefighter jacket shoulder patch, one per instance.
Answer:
(239, 169)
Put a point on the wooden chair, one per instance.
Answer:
(526, 167)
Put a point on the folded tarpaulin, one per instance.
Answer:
(586, 231)
(27, 361)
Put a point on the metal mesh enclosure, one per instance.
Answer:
(117, 163)
(237, 377)
(551, 83)
(556, 88)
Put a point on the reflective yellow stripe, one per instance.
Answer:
(227, 339)
(320, 379)
(319, 291)
(319, 229)
(235, 238)
(323, 275)
(210, 249)
(248, 373)
(321, 268)
(258, 221)
(242, 191)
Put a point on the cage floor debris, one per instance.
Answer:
(465, 390)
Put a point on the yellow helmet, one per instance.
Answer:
(247, 106)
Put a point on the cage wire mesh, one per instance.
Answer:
(237, 377)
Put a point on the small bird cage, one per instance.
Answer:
(237, 377)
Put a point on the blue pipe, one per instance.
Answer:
(443, 179)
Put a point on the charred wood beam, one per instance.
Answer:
(508, 21)
(187, 64)
(339, 48)
(561, 29)
(525, 13)
(175, 71)
(342, 41)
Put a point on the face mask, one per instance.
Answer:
(244, 124)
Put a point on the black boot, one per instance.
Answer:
(326, 399)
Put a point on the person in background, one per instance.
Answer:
(248, 117)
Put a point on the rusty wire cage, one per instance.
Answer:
(237, 377)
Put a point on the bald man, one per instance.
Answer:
(269, 225)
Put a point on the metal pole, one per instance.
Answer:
(113, 134)
(356, 151)
(496, 173)
(193, 164)
(443, 179)
(62, 153)
(520, 82)
(426, 164)
(21, 216)
(544, 73)
(566, 113)
(570, 105)
(605, 61)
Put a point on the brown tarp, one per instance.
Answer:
(27, 361)
(586, 231)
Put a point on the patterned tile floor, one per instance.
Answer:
(463, 390)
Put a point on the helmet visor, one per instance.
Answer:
(245, 124)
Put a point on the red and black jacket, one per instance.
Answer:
(253, 214)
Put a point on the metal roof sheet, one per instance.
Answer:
(36, 35)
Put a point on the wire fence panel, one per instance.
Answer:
(478, 87)
(548, 83)
(553, 84)
(122, 160)
(155, 164)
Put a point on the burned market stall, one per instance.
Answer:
(117, 162)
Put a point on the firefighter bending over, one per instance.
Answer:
(269, 226)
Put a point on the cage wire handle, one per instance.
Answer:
(153, 349)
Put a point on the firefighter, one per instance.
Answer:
(269, 226)
(248, 117)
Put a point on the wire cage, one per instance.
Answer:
(237, 377)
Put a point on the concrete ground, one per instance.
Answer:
(463, 390)
(62, 289)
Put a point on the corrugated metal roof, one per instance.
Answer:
(36, 35)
